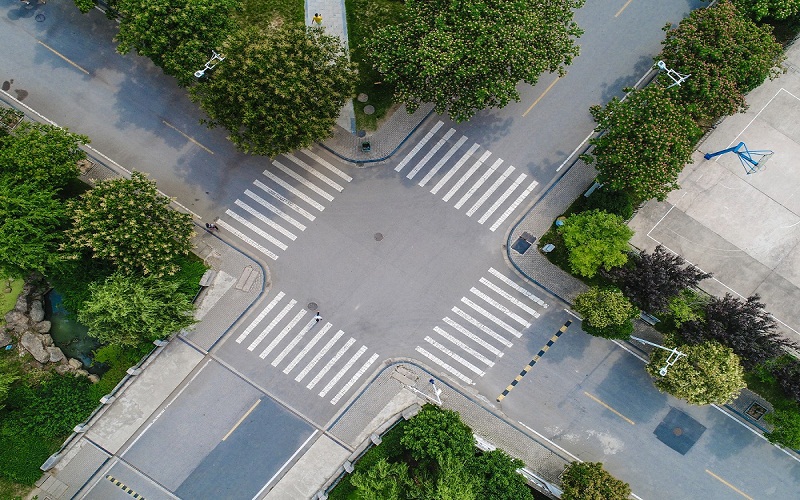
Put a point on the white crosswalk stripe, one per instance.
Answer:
(489, 191)
(478, 183)
(260, 317)
(500, 307)
(241, 220)
(499, 291)
(455, 356)
(444, 365)
(227, 227)
(302, 180)
(450, 173)
(419, 146)
(272, 324)
(286, 201)
(514, 206)
(277, 211)
(300, 355)
(433, 171)
(284, 332)
(296, 340)
(502, 199)
(505, 326)
(346, 387)
(266, 220)
(311, 364)
(522, 290)
(430, 154)
(327, 165)
(342, 371)
(285, 185)
(331, 362)
(489, 347)
(311, 170)
(464, 346)
(464, 178)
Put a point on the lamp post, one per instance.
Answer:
(436, 392)
(677, 78)
(215, 59)
(674, 354)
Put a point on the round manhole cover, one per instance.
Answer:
(362, 97)
(378, 236)
(361, 133)
(313, 306)
(677, 431)
(369, 109)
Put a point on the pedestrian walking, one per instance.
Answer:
(317, 317)
(316, 20)
(26, 2)
(211, 227)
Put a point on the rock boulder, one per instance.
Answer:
(43, 326)
(37, 310)
(34, 346)
(75, 363)
(55, 354)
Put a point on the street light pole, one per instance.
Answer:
(436, 392)
(215, 59)
(677, 78)
(674, 354)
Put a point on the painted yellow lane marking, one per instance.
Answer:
(540, 97)
(54, 51)
(534, 360)
(623, 8)
(124, 488)
(241, 420)
(173, 127)
(620, 415)
(729, 485)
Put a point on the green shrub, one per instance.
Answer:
(21, 453)
(614, 202)
(786, 419)
(118, 360)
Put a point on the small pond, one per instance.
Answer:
(72, 337)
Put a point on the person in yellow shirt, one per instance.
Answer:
(316, 20)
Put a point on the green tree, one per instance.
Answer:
(383, 481)
(785, 420)
(470, 55)
(589, 481)
(31, 218)
(709, 373)
(279, 89)
(9, 373)
(128, 223)
(595, 239)
(435, 433)
(453, 482)
(177, 36)
(497, 476)
(127, 311)
(41, 155)
(775, 9)
(726, 54)
(606, 313)
(648, 138)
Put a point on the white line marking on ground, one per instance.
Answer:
(425, 159)
(490, 191)
(499, 291)
(307, 347)
(445, 365)
(246, 239)
(353, 380)
(455, 356)
(485, 329)
(331, 362)
(326, 164)
(296, 340)
(500, 307)
(492, 317)
(286, 201)
(419, 146)
(275, 241)
(343, 370)
(280, 336)
(275, 210)
(524, 291)
(467, 175)
(272, 324)
(302, 180)
(311, 170)
(455, 168)
(442, 161)
(260, 317)
(502, 198)
(478, 183)
(480, 357)
(489, 347)
(291, 460)
(285, 185)
(550, 442)
(266, 220)
(300, 376)
(513, 206)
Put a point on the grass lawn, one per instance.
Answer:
(7, 300)
(363, 17)
(262, 12)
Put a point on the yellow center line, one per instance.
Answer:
(620, 415)
(540, 97)
(173, 127)
(241, 420)
(729, 485)
(623, 8)
(54, 51)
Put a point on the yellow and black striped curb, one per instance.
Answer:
(124, 488)
(534, 360)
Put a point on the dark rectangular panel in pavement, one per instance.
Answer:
(240, 466)
(679, 431)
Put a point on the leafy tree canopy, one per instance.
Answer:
(651, 280)
(435, 433)
(589, 481)
(9, 373)
(595, 239)
(41, 155)
(787, 373)
(606, 312)
(726, 54)
(744, 326)
(128, 223)
(127, 311)
(382, 481)
(177, 36)
(786, 422)
(497, 472)
(710, 373)
(648, 140)
(31, 217)
(776, 9)
(279, 89)
(470, 55)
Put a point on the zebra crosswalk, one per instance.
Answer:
(322, 364)
(508, 188)
(484, 324)
(280, 203)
